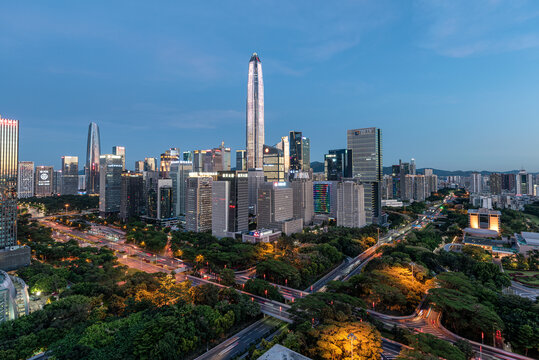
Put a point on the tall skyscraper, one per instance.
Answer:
(9, 161)
(306, 153)
(165, 203)
(303, 208)
(139, 166)
(25, 181)
(70, 175)
(255, 114)
(295, 141)
(284, 145)
(44, 181)
(366, 146)
(495, 181)
(350, 204)
(198, 215)
(255, 179)
(179, 172)
(477, 183)
(132, 195)
(57, 182)
(110, 190)
(241, 160)
(325, 197)
(275, 209)
(92, 159)
(524, 184)
(187, 156)
(150, 164)
(273, 164)
(120, 150)
(338, 164)
(412, 167)
(172, 154)
(230, 203)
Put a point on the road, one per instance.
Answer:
(523, 291)
(128, 254)
(239, 343)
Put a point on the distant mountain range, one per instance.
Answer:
(318, 166)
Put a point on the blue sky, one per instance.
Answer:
(454, 84)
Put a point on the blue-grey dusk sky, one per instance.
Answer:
(454, 84)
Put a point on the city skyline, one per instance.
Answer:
(441, 84)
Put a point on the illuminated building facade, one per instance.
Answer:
(110, 190)
(70, 175)
(172, 154)
(120, 150)
(9, 162)
(255, 114)
(284, 145)
(366, 146)
(485, 219)
(150, 164)
(524, 183)
(44, 181)
(198, 217)
(14, 298)
(92, 159)
(230, 203)
(273, 164)
(325, 197)
(25, 180)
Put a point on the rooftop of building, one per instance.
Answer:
(483, 211)
(279, 352)
(473, 240)
(483, 233)
(528, 238)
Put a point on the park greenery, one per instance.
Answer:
(57, 204)
(98, 310)
(147, 236)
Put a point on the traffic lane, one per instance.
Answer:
(240, 342)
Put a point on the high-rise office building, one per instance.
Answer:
(187, 156)
(338, 164)
(275, 209)
(179, 172)
(172, 154)
(325, 197)
(255, 179)
(509, 183)
(110, 189)
(9, 162)
(495, 183)
(295, 141)
(273, 164)
(165, 203)
(524, 183)
(241, 160)
(25, 181)
(303, 206)
(139, 166)
(57, 182)
(150, 164)
(132, 195)
(387, 187)
(255, 114)
(120, 150)
(198, 217)
(225, 157)
(306, 154)
(366, 146)
(92, 159)
(230, 204)
(70, 175)
(412, 167)
(82, 183)
(150, 179)
(44, 181)
(350, 204)
(284, 145)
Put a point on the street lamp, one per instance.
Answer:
(352, 337)
(66, 206)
